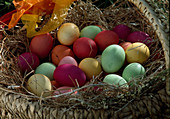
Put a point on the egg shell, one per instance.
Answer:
(106, 38)
(55, 84)
(39, 85)
(68, 60)
(139, 36)
(137, 52)
(133, 70)
(91, 67)
(90, 31)
(115, 80)
(85, 47)
(41, 45)
(125, 45)
(28, 61)
(69, 75)
(46, 69)
(63, 89)
(68, 33)
(122, 30)
(59, 52)
(112, 58)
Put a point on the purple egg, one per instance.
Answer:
(69, 75)
(139, 36)
(122, 30)
(28, 61)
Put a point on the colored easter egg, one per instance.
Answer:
(41, 45)
(84, 47)
(69, 75)
(112, 58)
(137, 52)
(40, 85)
(115, 80)
(59, 52)
(91, 67)
(68, 33)
(106, 38)
(125, 45)
(133, 70)
(68, 60)
(46, 69)
(28, 61)
(90, 31)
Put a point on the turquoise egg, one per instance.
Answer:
(46, 69)
(112, 58)
(115, 80)
(132, 71)
(90, 31)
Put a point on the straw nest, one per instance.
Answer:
(15, 42)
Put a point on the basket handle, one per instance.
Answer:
(149, 13)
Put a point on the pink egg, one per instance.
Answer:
(139, 36)
(68, 60)
(125, 45)
(122, 30)
(85, 47)
(63, 89)
(69, 75)
(28, 61)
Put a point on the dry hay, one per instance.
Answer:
(82, 14)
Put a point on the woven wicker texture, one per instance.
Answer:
(155, 105)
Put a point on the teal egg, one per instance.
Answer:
(133, 70)
(90, 31)
(116, 80)
(112, 58)
(46, 69)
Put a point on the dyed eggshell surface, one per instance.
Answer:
(91, 67)
(41, 45)
(125, 45)
(90, 31)
(115, 80)
(39, 85)
(106, 38)
(46, 69)
(132, 71)
(28, 61)
(84, 47)
(137, 52)
(68, 33)
(112, 58)
(68, 60)
(69, 75)
(63, 89)
(122, 30)
(59, 52)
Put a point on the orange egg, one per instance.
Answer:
(59, 52)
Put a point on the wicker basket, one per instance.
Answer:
(152, 104)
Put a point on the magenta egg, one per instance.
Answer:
(139, 36)
(28, 61)
(68, 60)
(122, 30)
(69, 75)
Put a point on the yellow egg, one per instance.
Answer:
(39, 85)
(68, 33)
(91, 67)
(137, 52)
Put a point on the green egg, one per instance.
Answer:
(46, 69)
(133, 70)
(112, 58)
(90, 31)
(116, 80)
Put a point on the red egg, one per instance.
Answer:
(28, 61)
(139, 36)
(84, 47)
(106, 38)
(125, 45)
(68, 60)
(55, 84)
(69, 75)
(41, 45)
(122, 30)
